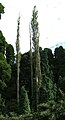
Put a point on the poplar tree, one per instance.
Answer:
(18, 58)
(35, 39)
(31, 67)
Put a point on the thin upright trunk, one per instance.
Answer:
(17, 78)
(31, 67)
(18, 59)
(0, 15)
(38, 73)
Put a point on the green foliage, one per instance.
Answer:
(17, 41)
(59, 63)
(35, 40)
(2, 43)
(5, 69)
(62, 84)
(25, 73)
(11, 106)
(59, 70)
(1, 8)
(2, 105)
(53, 110)
(52, 90)
(48, 87)
(5, 74)
(25, 68)
(14, 117)
(34, 25)
(11, 86)
(24, 101)
(10, 54)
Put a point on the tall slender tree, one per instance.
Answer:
(31, 66)
(18, 58)
(35, 39)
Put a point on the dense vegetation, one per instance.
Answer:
(48, 98)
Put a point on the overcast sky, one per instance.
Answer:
(51, 18)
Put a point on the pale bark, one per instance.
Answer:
(18, 59)
(31, 67)
(38, 72)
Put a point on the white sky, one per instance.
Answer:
(51, 18)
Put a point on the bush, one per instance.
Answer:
(24, 102)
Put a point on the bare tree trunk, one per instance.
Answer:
(18, 64)
(0, 15)
(38, 72)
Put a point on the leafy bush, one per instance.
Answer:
(24, 102)
(2, 104)
(51, 110)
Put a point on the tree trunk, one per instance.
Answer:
(31, 68)
(0, 15)
(38, 73)
(18, 64)
(18, 59)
